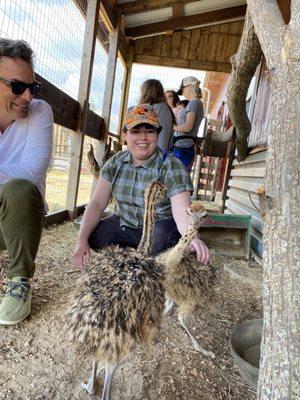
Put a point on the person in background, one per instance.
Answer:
(186, 129)
(181, 105)
(25, 150)
(125, 177)
(172, 98)
(152, 93)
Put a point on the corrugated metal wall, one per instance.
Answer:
(245, 178)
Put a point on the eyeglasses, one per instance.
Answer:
(147, 132)
(20, 87)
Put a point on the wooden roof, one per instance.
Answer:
(152, 17)
(201, 34)
(208, 48)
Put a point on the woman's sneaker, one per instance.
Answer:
(16, 304)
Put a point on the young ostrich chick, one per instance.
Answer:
(188, 283)
(120, 302)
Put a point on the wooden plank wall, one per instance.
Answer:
(208, 48)
(261, 112)
(216, 83)
(245, 178)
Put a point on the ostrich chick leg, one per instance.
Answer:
(168, 306)
(90, 385)
(110, 370)
(196, 345)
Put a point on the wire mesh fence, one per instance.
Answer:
(117, 95)
(58, 46)
(55, 31)
(59, 168)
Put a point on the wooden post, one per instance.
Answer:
(91, 27)
(124, 99)
(114, 39)
(229, 161)
(127, 86)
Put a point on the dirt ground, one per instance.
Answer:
(36, 362)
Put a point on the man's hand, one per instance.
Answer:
(201, 249)
(81, 254)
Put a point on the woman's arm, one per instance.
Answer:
(166, 122)
(180, 202)
(189, 123)
(91, 217)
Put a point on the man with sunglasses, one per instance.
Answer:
(125, 177)
(25, 150)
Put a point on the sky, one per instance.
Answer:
(55, 30)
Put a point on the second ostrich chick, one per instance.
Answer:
(120, 301)
(187, 282)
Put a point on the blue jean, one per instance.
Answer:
(186, 155)
(108, 231)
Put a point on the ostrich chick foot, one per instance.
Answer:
(196, 345)
(199, 348)
(90, 386)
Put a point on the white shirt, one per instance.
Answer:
(26, 146)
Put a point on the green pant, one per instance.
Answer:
(22, 215)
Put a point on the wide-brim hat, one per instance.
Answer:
(189, 80)
(142, 114)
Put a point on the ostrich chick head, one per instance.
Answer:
(197, 213)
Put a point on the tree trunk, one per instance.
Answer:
(244, 64)
(279, 368)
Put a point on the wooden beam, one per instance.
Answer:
(208, 18)
(183, 63)
(65, 110)
(102, 29)
(61, 216)
(177, 10)
(126, 90)
(107, 14)
(124, 48)
(114, 39)
(91, 28)
(139, 6)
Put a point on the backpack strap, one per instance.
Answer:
(184, 137)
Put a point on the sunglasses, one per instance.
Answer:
(20, 87)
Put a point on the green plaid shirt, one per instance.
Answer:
(129, 183)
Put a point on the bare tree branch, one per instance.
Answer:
(244, 64)
(270, 28)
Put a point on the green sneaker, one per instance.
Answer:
(16, 304)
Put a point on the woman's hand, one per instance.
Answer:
(201, 249)
(81, 254)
